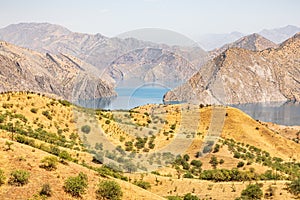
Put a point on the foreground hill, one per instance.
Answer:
(61, 75)
(243, 76)
(33, 126)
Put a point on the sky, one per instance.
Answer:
(188, 17)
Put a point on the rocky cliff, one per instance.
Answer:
(244, 76)
(62, 75)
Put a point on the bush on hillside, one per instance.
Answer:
(77, 185)
(109, 190)
(19, 178)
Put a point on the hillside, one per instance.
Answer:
(60, 75)
(143, 140)
(243, 76)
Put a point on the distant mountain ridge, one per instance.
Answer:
(60, 75)
(243, 76)
(97, 49)
(102, 52)
(277, 35)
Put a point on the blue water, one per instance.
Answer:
(128, 98)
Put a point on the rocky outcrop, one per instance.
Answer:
(62, 75)
(243, 76)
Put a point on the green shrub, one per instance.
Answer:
(143, 184)
(189, 196)
(240, 164)
(214, 161)
(294, 187)
(2, 177)
(77, 185)
(64, 155)
(196, 163)
(47, 114)
(19, 177)
(46, 190)
(34, 110)
(252, 191)
(49, 163)
(109, 190)
(188, 175)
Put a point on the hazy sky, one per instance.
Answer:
(189, 17)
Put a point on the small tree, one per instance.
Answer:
(2, 177)
(214, 162)
(19, 177)
(240, 164)
(109, 190)
(252, 191)
(86, 129)
(294, 187)
(49, 163)
(77, 185)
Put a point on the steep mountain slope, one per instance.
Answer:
(97, 49)
(253, 42)
(61, 75)
(152, 65)
(243, 76)
(281, 34)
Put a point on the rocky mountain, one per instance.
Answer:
(61, 75)
(279, 35)
(212, 41)
(97, 49)
(253, 42)
(243, 76)
(152, 65)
